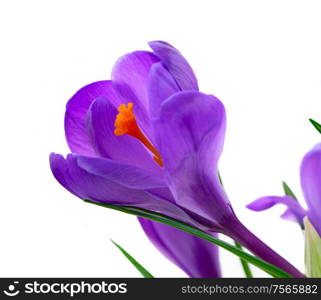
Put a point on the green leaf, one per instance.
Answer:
(267, 267)
(316, 125)
(135, 263)
(245, 265)
(288, 191)
(312, 250)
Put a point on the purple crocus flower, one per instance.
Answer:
(148, 138)
(311, 186)
(107, 165)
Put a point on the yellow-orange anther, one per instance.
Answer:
(125, 123)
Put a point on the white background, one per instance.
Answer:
(261, 58)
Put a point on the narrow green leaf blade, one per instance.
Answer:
(316, 125)
(312, 250)
(245, 265)
(134, 262)
(288, 191)
(267, 267)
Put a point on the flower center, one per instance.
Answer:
(125, 123)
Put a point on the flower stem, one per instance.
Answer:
(247, 239)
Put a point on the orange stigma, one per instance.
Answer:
(125, 123)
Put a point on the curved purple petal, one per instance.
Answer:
(161, 85)
(294, 212)
(130, 76)
(176, 64)
(125, 175)
(126, 149)
(76, 111)
(190, 135)
(195, 256)
(311, 185)
(106, 181)
(288, 215)
(131, 72)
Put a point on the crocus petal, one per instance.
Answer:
(176, 64)
(106, 181)
(131, 71)
(288, 215)
(190, 134)
(195, 256)
(311, 185)
(76, 111)
(130, 77)
(294, 212)
(126, 149)
(123, 174)
(161, 85)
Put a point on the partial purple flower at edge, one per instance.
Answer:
(311, 186)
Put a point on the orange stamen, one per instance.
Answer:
(125, 123)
